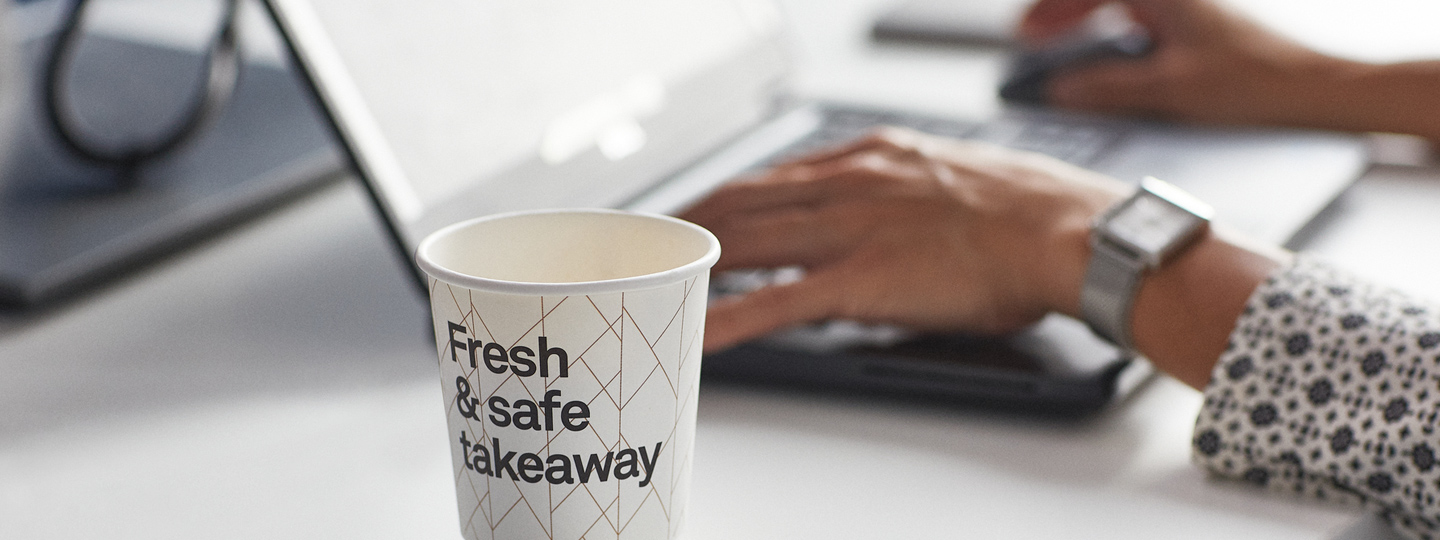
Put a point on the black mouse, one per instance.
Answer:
(1032, 70)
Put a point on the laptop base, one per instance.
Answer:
(1055, 368)
(65, 226)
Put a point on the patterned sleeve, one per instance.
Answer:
(1328, 388)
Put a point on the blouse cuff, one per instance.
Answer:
(1328, 388)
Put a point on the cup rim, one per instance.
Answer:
(535, 288)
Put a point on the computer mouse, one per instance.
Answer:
(1032, 70)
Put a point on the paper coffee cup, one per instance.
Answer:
(569, 350)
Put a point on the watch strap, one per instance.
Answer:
(1111, 280)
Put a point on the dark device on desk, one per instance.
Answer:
(649, 104)
(1032, 70)
(1107, 35)
(72, 218)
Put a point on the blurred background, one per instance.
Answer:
(174, 367)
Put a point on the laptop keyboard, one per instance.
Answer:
(1074, 143)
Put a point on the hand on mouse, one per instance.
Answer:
(1208, 65)
(909, 229)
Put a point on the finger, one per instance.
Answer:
(773, 190)
(1166, 20)
(852, 146)
(811, 185)
(1048, 19)
(1112, 86)
(796, 237)
(882, 138)
(732, 321)
(1170, 20)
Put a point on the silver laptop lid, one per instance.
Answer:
(458, 108)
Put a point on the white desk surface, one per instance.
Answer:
(277, 383)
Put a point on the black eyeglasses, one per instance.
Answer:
(222, 72)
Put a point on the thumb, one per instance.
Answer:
(1174, 20)
(729, 322)
(1047, 19)
(1166, 20)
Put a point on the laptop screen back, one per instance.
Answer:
(453, 109)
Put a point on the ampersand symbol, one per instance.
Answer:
(463, 401)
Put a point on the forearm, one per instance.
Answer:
(1356, 96)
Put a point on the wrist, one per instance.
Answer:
(1322, 92)
(1184, 311)
(1070, 248)
(1178, 314)
(1392, 98)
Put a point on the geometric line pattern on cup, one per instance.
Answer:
(615, 388)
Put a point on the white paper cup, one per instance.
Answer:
(569, 350)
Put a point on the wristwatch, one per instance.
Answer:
(1134, 237)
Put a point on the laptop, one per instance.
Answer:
(452, 109)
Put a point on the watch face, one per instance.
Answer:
(1152, 225)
